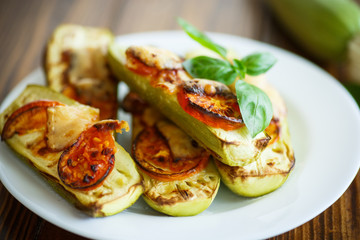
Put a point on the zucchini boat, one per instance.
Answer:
(75, 64)
(65, 142)
(206, 110)
(179, 176)
(277, 160)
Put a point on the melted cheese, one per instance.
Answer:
(155, 57)
(65, 124)
(180, 143)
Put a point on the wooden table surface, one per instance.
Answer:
(26, 25)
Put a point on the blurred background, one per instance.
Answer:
(26, 26)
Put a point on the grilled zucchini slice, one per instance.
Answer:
(179, 176)
(75, 64)
(156, 77)
(118, 190)
(277, 160)
(267, 173)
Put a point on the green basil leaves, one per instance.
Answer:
(258, 63)
(255, 105)
(201, 38)
(211, 68)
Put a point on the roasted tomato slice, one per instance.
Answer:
(86, 163)
(153, 154)
(137, 66)
(210, 102)
(30, 117)
(273, 130)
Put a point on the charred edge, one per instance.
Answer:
(158, 132)
(109, 125)
(95, 209)
(234, 172)
(87, 179)
(130, 53)
(184, 193)
(262, 143)
(12, 117)
(94, 167)
(106, 151)
(159, 174)
(133, 57)
(93, 154)
(111, 161)
(162, 201)
(194, 87)
(182, 196)
(73, 186)
(212, 114)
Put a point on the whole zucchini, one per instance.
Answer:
(327, 29)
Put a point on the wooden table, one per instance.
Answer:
(26, 25)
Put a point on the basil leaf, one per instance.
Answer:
(210, 68)
(255, 107)
(201, 38)
(258, 63)
(240, 68)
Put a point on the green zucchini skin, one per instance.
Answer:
(121, 188)
(182, 198)
(267, 173)
(186, 197)
(234, 148)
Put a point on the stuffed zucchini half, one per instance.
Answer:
(75, 64)
(275, 163)
(76, 153)
(179, 176)
(206, 110)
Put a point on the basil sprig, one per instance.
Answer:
(255, 105)
(201, 38)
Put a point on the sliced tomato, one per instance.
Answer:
(86, 163)
(211, 103)
(30, 117)
(273, 130)
(137, 66)
(153, 154)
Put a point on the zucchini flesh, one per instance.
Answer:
(186, 197)
(235, 148)
(75, 64)
(120, 189)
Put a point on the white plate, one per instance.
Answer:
(325, 128)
